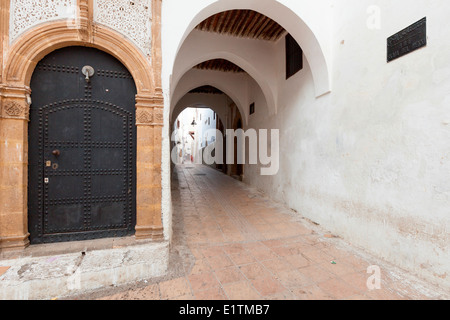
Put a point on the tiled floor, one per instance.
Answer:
(231, 242)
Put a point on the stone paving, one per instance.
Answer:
(233, 243)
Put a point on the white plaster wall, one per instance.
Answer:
(397, 135)
(179, 18)
(370, 160)
(207, 127)
(187, 145)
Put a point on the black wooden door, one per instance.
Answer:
(82, 148)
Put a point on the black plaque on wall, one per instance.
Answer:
(407, 40)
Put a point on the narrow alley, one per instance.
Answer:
(233, 243)
(224, 150)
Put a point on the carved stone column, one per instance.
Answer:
(14, 114)
(4, 30)
(14, 111)
(149, 121)
(156, 45)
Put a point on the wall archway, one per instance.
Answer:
(35, 44)
(197, 102)
(231, 118)
(82, 121)
(312, 35)
(231, 89)
(204, 47)
(20, 63)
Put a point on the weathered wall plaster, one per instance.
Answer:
(368, 161)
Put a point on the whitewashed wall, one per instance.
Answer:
(207, 127)
(370, 160)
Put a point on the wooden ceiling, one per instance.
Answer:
(239, 23)
(206, 89)
(219, 65)
(244, 24)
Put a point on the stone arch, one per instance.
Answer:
(259, 77)
(38, 42)
(195, 103)
(195, 82)
(312, 39)
(20, 63)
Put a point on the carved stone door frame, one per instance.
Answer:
(19, 63)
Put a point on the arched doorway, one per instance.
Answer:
(19, 65)
(82, 148)
(228, 116)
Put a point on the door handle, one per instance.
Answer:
(56, 153)
(88, 71)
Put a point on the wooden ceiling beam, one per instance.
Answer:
(259, 22)
(248, 21)
(229, 16)
(236, 24)
(261, 29)
(243, 23)
(253, 22)
(219, 65)
(244, 15)
(220, 21)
